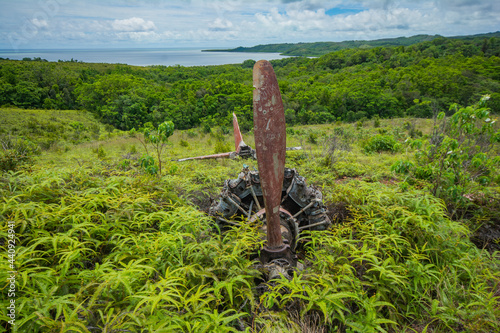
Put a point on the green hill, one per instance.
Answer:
(349, 85)
(320, 48)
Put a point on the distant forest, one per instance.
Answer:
(321, 48)
(347, 85)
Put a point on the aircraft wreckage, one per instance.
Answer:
(277, 196)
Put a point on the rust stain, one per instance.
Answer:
(270, 141)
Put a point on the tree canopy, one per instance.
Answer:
(350, 84)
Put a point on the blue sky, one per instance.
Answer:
(52, 24)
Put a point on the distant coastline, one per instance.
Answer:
(141, 57)
(321, 48)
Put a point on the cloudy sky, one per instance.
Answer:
(49, 24)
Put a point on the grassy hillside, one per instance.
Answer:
(50, 129)
(103, 246)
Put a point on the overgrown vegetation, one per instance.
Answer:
(16, 153)
(461, 156)
(102, 246)
(348, 85)
(380, 143)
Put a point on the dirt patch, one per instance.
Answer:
(338, 212)
(487, 237)
(200, 200)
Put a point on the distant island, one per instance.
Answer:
(321, 48)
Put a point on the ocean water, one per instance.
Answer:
(142, 57)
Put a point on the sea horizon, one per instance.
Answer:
(183, 56)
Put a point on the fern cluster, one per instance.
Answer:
(104, 247)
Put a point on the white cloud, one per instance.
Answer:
(139, 36)
(39, 23)
(230, 23)
(220, 25)
(134, 24)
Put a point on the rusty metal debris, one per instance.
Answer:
(290, 206)
(300, 208)
(241, 148)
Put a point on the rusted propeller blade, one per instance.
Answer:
(238, 139)
(270, 144)
(206, 157)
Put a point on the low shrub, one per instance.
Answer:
(380, 143)
(99, 151)
(312, 137)
(192, 133)
(402, 167)
(335, 149)
(221, 147)
(148, 164)
(205, 128)
(460, 156)
(15, 153)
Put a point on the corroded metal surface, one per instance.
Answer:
(206, 157)
(302, 202)
(241, 148)
(301, 209)
(238, 139)
(270, 145)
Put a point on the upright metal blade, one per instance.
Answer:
(238, 139)
(270, 144)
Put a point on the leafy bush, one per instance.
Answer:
(192, 133)
(380, 143)
(221, 147)
(335, 149)
(411, 128)
(312, 137)
(459, 156)
(402, 167)
(148, 164)
(16, 153)
(205, 128)
(101, 153)
(109, 128)
(360, 123)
